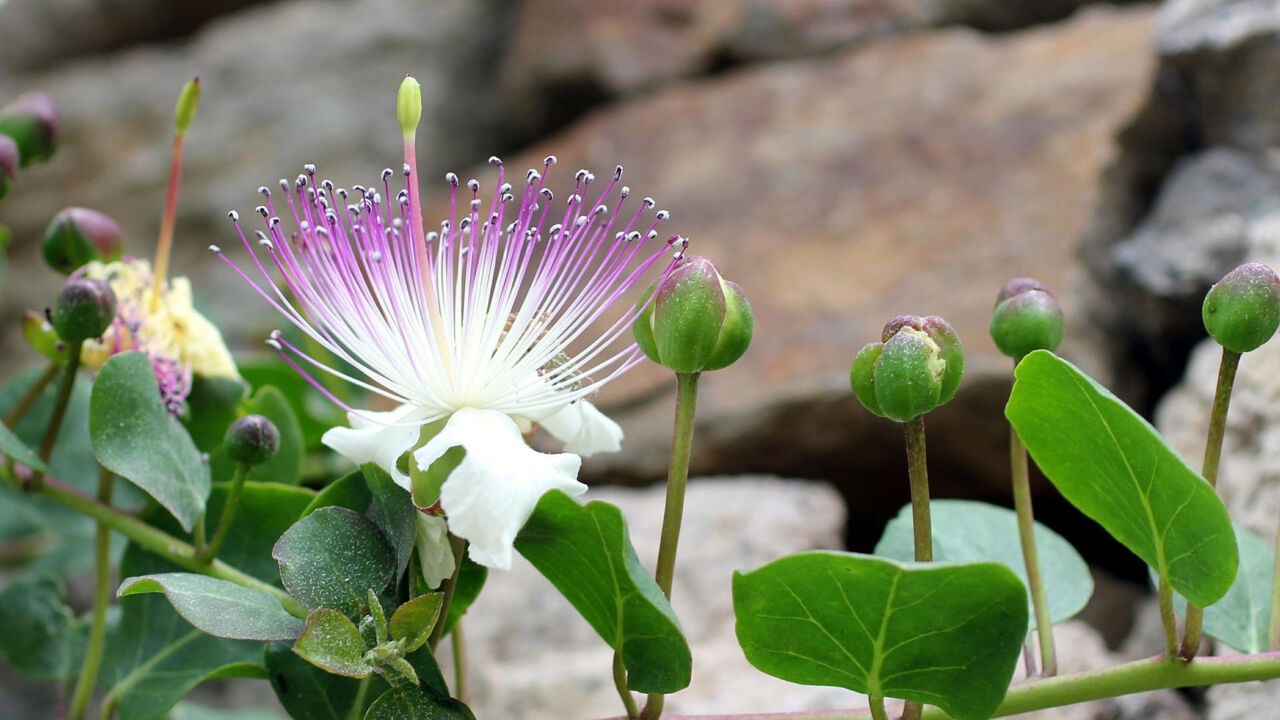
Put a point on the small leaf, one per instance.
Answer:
(350, 491)
(154, 657)
(13, 446)
(219, 607)
(587, 555)
(331, 641)
(1112, 465)
(393, 512)
(414, 620)
(947, 635)
(134, 436)
(42, 638)
(332, 557)
(427, 483)
(310, 693)
(471, 579)
(968, 531)
(416, 703)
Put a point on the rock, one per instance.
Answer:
(520, 628)
(288, 83)
(1241, 700)
(947, 163)
(37, 33)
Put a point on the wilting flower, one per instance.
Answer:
(179, 340)
(485, 324)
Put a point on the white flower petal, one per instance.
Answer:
(583, 429)
(378, 442)
(492, 492)
(434, 553)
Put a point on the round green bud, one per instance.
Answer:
(84, 310)
(76, 236)
(31, 122)
(694, 320)
(1026, 317)
(1242, 311)
(251, 440)
(916, 367)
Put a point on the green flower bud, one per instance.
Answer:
(1242, 311)
(696, 321)
(77, 236)
(185, 111)
(916, 367)
(1026, 318)
(409, 104)
(251, 440)
(9, 160)
(32, 122)
(84, 310)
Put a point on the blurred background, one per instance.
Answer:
(842, 160)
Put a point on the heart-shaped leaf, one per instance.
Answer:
(331, 641)
(135, 437)
(968, 531)
(1112, 465)
(219, 607)
(332, 558)
(587, 555)
(947, 635)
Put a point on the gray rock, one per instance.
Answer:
(532, 656)
(1242, 700)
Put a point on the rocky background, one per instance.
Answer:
(843, 160)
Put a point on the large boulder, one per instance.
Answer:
(915, 174)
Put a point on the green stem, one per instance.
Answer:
(59, 410)
(1273, 643)
(101, 598)
(1209, 469)
(921, 523)
(673, 513)
(357, 708)
(875, 704)
(1030, 554)
(161, 543)
(210, 551)
(620, 682)
(1167, 618)
(458, 545)
(1141, 676)
(461, 688)
(18, 411)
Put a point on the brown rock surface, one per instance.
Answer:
(916, 174)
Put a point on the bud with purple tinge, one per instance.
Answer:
(1026, 318)
(916, 367)
(32, 122)
(77, 236)
(251, 440)
(696, 321)
(84, 310)
(1242, 311)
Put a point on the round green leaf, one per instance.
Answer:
(969, 531)
(1112, 465)
(946, 635)
(332, 558)
(332, 642)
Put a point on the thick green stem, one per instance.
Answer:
(461, 688)
(922, 525)
(161, 543)
(1209, 469)
(1167, 619)
(210, 551)
(875, 704)
(458, 545)
(1030, 554)
(59, 411)
(620, 683)
(101, 599)
(1142, 676)
(677, 480)
(18, 411)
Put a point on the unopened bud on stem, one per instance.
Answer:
(251, 440)
(185, 113)
(1026, 318)
(84, 310)
(80, 235)
(409, 105)
(916, 367)
(696, 321)
(1242, 311)
(31, 122)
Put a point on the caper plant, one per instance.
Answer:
(324, 519)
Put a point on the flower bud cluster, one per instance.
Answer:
(916, 367)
